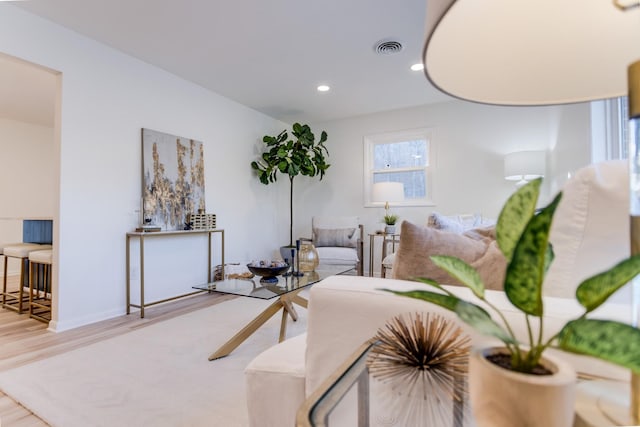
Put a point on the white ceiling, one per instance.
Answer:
(268, 54)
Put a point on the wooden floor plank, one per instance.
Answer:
(24, 340)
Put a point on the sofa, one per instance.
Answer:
(590, 233)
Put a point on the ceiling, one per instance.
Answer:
(268, 55)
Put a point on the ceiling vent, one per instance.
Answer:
(387, 47)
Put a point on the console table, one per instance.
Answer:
(142, 236)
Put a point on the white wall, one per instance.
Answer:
(26, 178)
(106, 98)
(26, 181)
(471, 141)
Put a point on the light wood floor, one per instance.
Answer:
(24, 340)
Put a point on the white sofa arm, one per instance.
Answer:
(345, 311)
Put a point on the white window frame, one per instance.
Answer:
(609, 128)
(370, 141)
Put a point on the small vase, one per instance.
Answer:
(504, 398)
(308, 257)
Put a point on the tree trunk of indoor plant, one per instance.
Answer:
(504, 398)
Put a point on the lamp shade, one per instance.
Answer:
(388, 192)
(524, 165)
(523, 52)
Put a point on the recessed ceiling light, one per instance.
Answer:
(323, 88)
(417, 67)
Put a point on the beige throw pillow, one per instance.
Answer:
(477, 247)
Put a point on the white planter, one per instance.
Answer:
(390, 229)
(503, 398)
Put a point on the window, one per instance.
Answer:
(404, 156)
(609, 128)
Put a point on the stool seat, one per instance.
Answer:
(22, 251)
(41, 257)
(3, 245)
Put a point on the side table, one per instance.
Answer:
(160, 234)
(386, 239)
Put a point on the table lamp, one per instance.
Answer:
(543, 52)
(388, 191)
(523, 166)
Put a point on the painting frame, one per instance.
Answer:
(173, 184)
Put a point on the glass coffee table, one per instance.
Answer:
(285, 290)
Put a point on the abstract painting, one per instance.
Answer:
(172, 179)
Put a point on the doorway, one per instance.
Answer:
(30, 144)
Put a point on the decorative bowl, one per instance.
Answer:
(268, 270)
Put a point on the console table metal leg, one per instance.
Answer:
(128, 270)
(209, 280)
(141, 276)
(222, 250)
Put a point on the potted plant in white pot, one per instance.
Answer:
(519, 381)
(390, 221)
(302, 155)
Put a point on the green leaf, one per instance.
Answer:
(526, 270)
(515, 215)
(477, 317)
(282, 166)
(446, 301)
(549, 256)
(595, 290)
(323, 137)
(614, 342)
(433, 283)
(461, 271)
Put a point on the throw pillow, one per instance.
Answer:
(477, 247)
(335, 237)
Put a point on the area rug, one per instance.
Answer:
(158, 375)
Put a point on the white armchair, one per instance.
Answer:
(338, 240)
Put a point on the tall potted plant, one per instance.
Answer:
(523, 237)
(301, 155)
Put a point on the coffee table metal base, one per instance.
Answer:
(284, 302)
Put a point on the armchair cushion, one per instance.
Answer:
(337, 255)
(477, 247)
(336, 237)
(345, 231)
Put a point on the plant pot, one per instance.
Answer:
(503, 398)
(285, 252)
(390, 229)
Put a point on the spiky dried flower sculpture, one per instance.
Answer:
(423, 360)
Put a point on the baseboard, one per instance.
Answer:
(61, 326)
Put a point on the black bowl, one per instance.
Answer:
(268, 274)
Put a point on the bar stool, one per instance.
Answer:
(14, 300)
(2, 246)
(40, 284)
